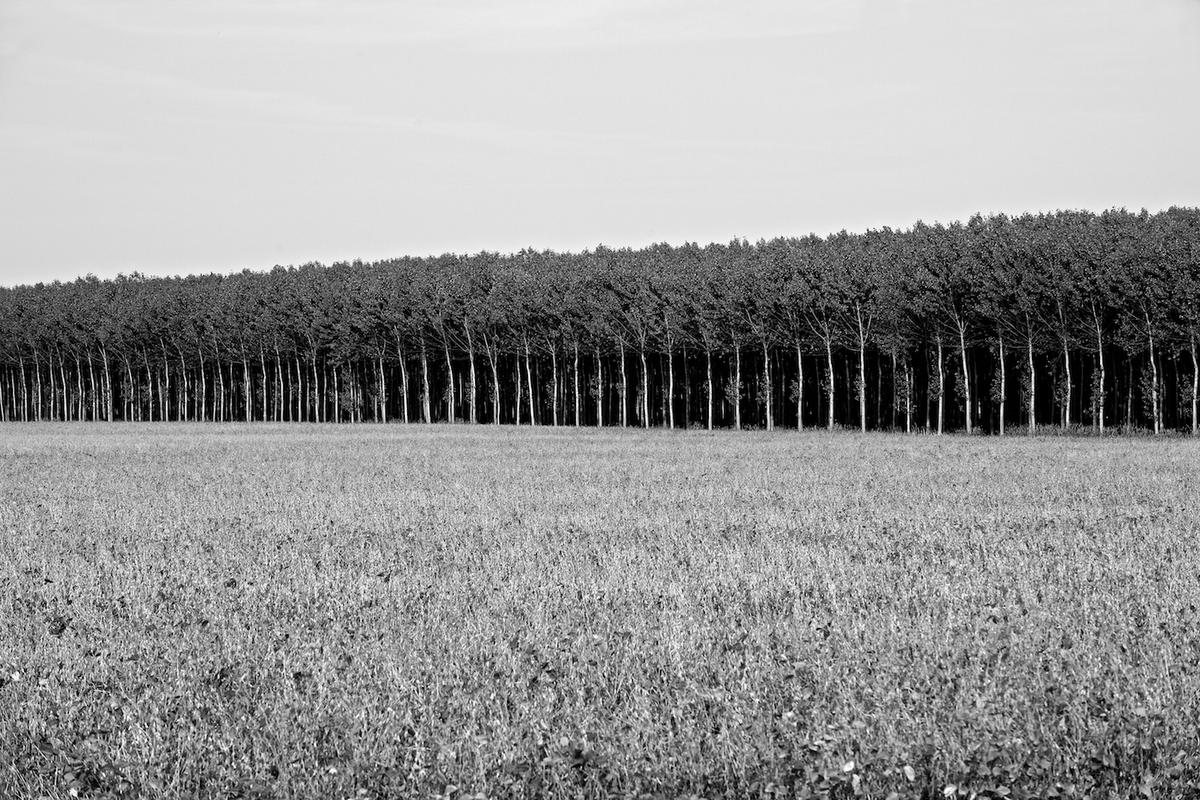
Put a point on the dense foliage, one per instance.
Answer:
(456, 612)
(1064, 319)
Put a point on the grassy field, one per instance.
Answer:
(370, 612)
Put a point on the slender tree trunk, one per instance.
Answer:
(908, 395)
(520, 387)
(80, 409)
(425, 403)
(599, 390)
(671, 388)
(1195, 384)
(941, 408)
(493, 356)
(129, 399)
(24, 390)
(862, 370)
(554, 386)
(687, 390)
(1032, 382)
(1003, 379)
(1154, 399)
(1066, 411)
(624, 390)
(91, 383)
(262, 361)
(449, 381)
(737, 388)
(380, 387)
(895, 397)
(709, 385)
(645, 388)
(472, 411)
(962, 349)
(575, 405)
(54, 407)
(221, 391)
(37, 387)
(337, 410)
(279, 390)
(318, 414)
(799, 388)
(767, 393)
(201, 403)
(247, 387)
(301, 405)
(1101, 383)
(829, 366)
(403, 385)
(108, 392)
(529, 380)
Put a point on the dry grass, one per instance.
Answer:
(392, 612)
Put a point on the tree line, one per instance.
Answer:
(1070, 319)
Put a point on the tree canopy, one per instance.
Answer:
(1066, 319)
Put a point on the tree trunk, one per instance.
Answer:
(529, 380)
(380, 387)
(91, 385)
(624, 390)
(1032, 383)
(262, 361)
(24, 390)
(829, 366)
(316, 389)
(554, 382)
(301, 405)
(520, 389)
(1195, 384)
(599, 390)
(493, 356)
(895, 397)
(128, 404)
(799, 388)
(575, 405)
(1066, 412)
(337, 409)
(737, 388)
(449, 380)
(671, 388)
(1003, 379)
(1101, 391)
(1154, 400)
(108, 393)
(472, 412)
(54, 406)
(708, 379)
(37, 387)
(425, 404)
(862, 370)
(645, 388)
(403, 385)
(908, 394)
(248, 387)
(770, 420)
(941, 410)
(962, 348)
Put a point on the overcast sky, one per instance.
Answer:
(174, 137)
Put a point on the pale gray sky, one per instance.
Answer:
(173, 137)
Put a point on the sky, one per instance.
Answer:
(171, 137)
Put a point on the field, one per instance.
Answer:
(389, 611)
